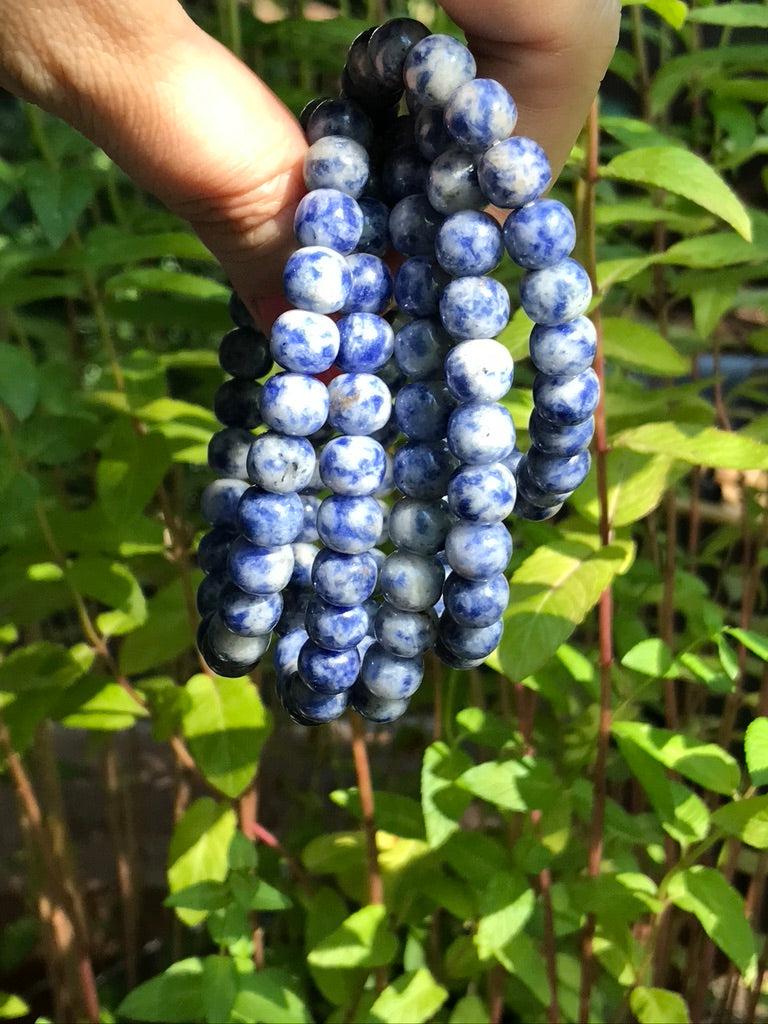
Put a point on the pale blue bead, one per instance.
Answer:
(566, 400)
(304, 556)
(375, 234)
(281, 464)
(419, 526)
(359, 403)
(285, 657)
(512, 461)
(565, 349)
(469, 642)
(480, 432)
(336, 162)
(422, 469)
(330, 218)
(411, 582)
(513, 172)
(562, 441)
(422, 409)
(469, 243)
(352, 464)
(374, 709)
(479, 114)
(249, 614)
(540, 234)
(269, 519)
(328, 671)
(430, 134)
(405, 634)
(260, 570)
(555, 294)
(366, 342)
(478, 551)
(482, 494)
(344, 580)
(557, 473)
(370, 289)
(386, 675)
(219, 500)
(333, 627)
(479, 370)
(294, 403)
(475, 603)
(435, 68)
(317, 278)
(387, 485)
(349, 524)
(310, 503)
(474, 307)
(413, 225)
(304, 341)
(418, 284)
(421, 347)
(453, 184)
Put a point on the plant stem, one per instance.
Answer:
(124, 845)
(365, 789)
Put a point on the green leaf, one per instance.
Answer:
(672, 11)
(108, 244)
(658, 1006)
(166, 633)
(523, 959)
(130, 470)
(506, 905)
(709, 307)
(242, 855)
(98, 705)
(747, 819)
(754, 642)
(414, 997)
(220, 985)
(634, 133)
(395, 813)
(756, 751)
(198, 849)
(469, 1010)
(442, 801)
(18, 496)
(682, 172)
(153, 279)
(19, 382)
(256, 894)
(362, 940)
(705, 64)
(39, 666)
(335, 854)
(173, 997)
(704, 893)
(733, 14)
(57, 196)
(12, 1006)
(636, 484)
(269, 996)
(706, 764)
(713, 251)
(639, 347)
(650, 657)
(225, 726)
(112, 584)
(696, 444)
(205, 895)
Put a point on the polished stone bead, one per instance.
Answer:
(333, 627)
(257, 569)
(387, 486)
(566, 400)
(452, 660)
(565, 349)
(539, 234)
(304, 341)
(480, 432)
(328, 671)
(344, 580)
(418, 286)
(329, 218)
(308, 706)
(430, 134)
(244, 353)
(411, 582)
(422, 469)
(404, 173)
(469, 243)
(421, 347)
(374, 709)
(475, 603)
(339, 117)
(249, 614)
(514, 172)
(482, 494)
(422, 409)
(370, 290)
(469, 642)
(560, 441)
(374, 238)
(218, 502)
(453, 183)
(295, 601)
(285, 655)
(281, 464)
(389, 45)
(294, 404)
(359, 403)
(406, 634)
(308, 534)
(388, 676)
(533, 513)
(228, 451)
(557, 473)
(317, 278)
(362, 74)
(269, 519)
(413, 225)
(236, 403)
(352, 464)
(336, 162)
(512, 461)
(533, 493)
(478, 551)
(304, 556)
(435, 68)
(228, 653)
(210, 590)
(557, 293)
(419, 526)
(479, 370)
(213, 548)
(238, 312)
(479, 114)
(366, 342)
(349, 523)
(474, 307)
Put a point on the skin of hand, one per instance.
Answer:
(191, 124)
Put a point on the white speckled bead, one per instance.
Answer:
(479, 370)
(556, 294)
(479, 114)
(513, 172)
(435, 68)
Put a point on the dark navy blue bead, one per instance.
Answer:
(566, 400)
(430, 134)
(327, 671)
(479, 114)
(374, 709)
(452, 660)
(374, 238)
(453, 183)
(539, 234)
(213, 548)
(475, 603)
(404, 173)
(422, 469)
(238, 312)
(405, 634)
(317, 278)
(333, 627)
(236, 403)
(557, 293)
(329, 218)
(469, 243)
(257, 569)
(422, 409)
(362, 75)
(228, 451)
(411, 582)
(480, 432)
(413, 226)
(344, 580)
(479, 370)
(435, 68)
(474, 307)
(388, 676)
(309, 108)
(533, 493)
(348, 523)
(303, 341)
(478, 551)
(229, 646)
(339, 117)
(295, 601)
(294, 404)
(249, 614)
(482, 494)
(556, 473)
(360, 403)
(418, 286)
(209, 592)
(269, 519)
(307, 706)
(218, 502)
(468, 642)
(389, 45)
(512, 461)
(561, 441)
(418, 525)
(565, 349)
(366, 342)
(533, 513)
(336, 162)
(281, 464)
(285, 656)
(421, 347)
(244, 353)
(370, 289)
(514, 172)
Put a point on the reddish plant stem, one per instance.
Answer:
(247, 810)
(120, 830)
(757, 988)
(550, 949)
(367, 809)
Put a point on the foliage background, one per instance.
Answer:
(577, 831)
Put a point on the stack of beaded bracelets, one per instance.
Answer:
(301, 508)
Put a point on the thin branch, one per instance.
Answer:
(365, 789)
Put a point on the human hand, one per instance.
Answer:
(190, 123)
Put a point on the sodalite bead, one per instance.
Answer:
(479, 114)
(333, 627)
(418, 284)
(244, 352)
(512, 461)
(422, 469)
(475, 603)
(387, 485)
(366, 342)
(419, 526)
(304, 556)
(249, 614)
(328, 671)
(362, 73)
(558, 474)
(218, 502)
(329, 218)
(405, 634)
(421, 347)
(453, 182)
(513, 172)
(411, 582)
(470, 642)
(480, 370)
(566, 400)
(317, 278)
(430, 134)
(260, 570)
(532, 493)
(352, 464)
(478, 551)
(344, 580)
(349, 523)
(304, 341)
(435, 68)
(236, 403)
(294, 403)
(339, 117)
(561, 441)
(533, 513)
(281, 464)
(269, 519)
(212, 549)
(295, 601)
(227, 645)
(482, 494)
(374, 237)
(227, 452)
(474, 307)
(310, 503)
(565, 349)
(210, 590)
(375, 709)
(422, 409)
(540, 234)
(307, 706)
(388, 676)
(404, 173)
(413, 225)
(370, 289)
(469, 243)
(336, 162)
(285, 657)
(555, 294)
(480, 432)
(359, 403)
(388, 46)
